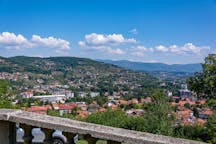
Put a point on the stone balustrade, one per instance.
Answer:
(90, 132)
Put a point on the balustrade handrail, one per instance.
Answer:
(94, 130)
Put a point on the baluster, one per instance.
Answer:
(113, 142)
(90, 139)
(70, 137)
(48, 135)
(28, 137)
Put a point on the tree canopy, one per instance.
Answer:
(5, 91)
(204, 83)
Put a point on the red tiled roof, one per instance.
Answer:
(206, 111)
(123, 102)
(38, 108)
(66, 107)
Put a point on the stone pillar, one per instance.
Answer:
(48, 135)
(113, 142)
(70, 137)
(7, 132)
(28, 137)
(90, 139)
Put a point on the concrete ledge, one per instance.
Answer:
(97, 131)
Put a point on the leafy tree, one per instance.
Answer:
(5, 100)
(211, 103)
(211, 129)
(204, 83)
(195, 112)
(187, 105)
(110, 118)
(158, 118)
(4, 88)
(195, 132)
(74, 111)
(117, 118)
(53, 112)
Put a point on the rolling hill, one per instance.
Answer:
(79, 73)
(152, 67)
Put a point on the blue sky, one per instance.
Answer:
(168, 31)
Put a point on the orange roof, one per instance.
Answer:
(147, 100)
(206, 111)
(38, 108)
(102, 110)
(82, 114)
(114, 106)
(66, 107)
(123, 102)
(200, 121)
(134, 100)
(174, 103)
(201, 102)
(182, 103)
(190, 102)
(184, 112)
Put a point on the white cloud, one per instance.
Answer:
(187, 48)
(190, 48)
(134, 31)
(105, 43)
(12, 41)
(94, 39)
(161, 48)
(50, 42)
(107, 49)
(115, 51)
(140, 50)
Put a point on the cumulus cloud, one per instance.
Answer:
(12, 41)
(187, 48)
(107, 49)
(94, 39)
(161, 48)
(105, 42)
(114, 51)
(134, 31)
(50, 42)
(140, 50)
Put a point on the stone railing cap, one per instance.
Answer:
(97, 131)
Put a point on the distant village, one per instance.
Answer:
(186, 107)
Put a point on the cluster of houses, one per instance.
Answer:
(189, 111)
(84, 109)
(47, 84)
(13, 77)
(58, 96)
(184, 108)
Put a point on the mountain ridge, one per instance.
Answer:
(151, 67)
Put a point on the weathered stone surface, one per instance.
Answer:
(7, 132)
(96, 131)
